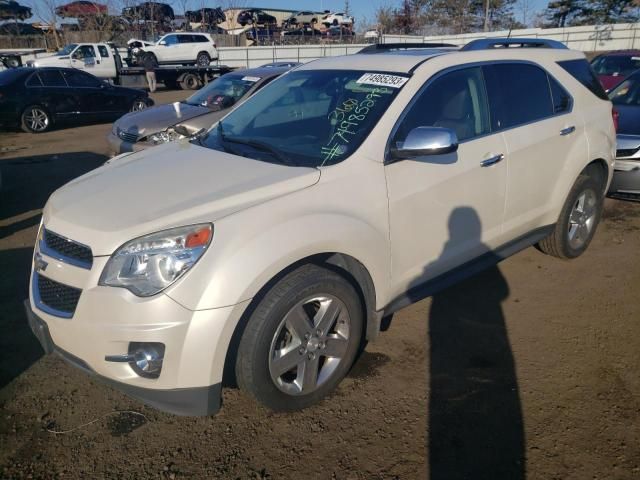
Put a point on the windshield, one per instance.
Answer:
(223, 92)
(67, 50)
(627, 93)
(616, 65)
(307, 118)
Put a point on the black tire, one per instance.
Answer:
(558, 243)
(35, 119)
(189, 81)
(138, 105)
(253, 361)
(203, 59)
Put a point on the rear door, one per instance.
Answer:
(535, 115)
(54, 93)
(186, 47)
(93, 95)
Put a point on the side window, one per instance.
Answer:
(518, 93)
(84, 51)
(52, 78)
(34, 81)
(456, 100)
(185, 38)
(200, 38)
(582, 71)
(561, 99)
(76, 78)
(171, 40)
(104, 51)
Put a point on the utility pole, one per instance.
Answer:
(486, 15)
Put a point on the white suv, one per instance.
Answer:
(270, 248)
(183, 48)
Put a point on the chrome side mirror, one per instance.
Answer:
(426, 141)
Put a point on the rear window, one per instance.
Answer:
(561, 99)
(518, 93)
(582, 71)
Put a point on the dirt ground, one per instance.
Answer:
(528, 370)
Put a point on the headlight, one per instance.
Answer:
(168, 135)
(149, 264)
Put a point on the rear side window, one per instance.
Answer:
(52, 78)
(104, 51)
(185, 38)
(34, 81)
(518, 94)
(76, 78)
(200, 38)
(561, 99)
(582, 71)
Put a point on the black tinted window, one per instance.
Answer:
(561, 99)
(200, 38)
(52, 78)
(185, 38)
(84, 51)
(34, 81)
(76, 78)
(518, 94)
(104, 51)
(456, 100)
(582, 71)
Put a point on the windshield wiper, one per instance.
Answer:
(258, 145)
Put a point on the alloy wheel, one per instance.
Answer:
(138, 105)
(582, 218)
(309, 344)
(37, 119)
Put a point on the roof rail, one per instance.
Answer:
(489, 43)
(385, 47)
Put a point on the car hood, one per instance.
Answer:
(157, 119)
(629, 119)
(162, 187)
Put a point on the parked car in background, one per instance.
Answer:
(183, 48)
(626, 101)
(12, 10)
(255, 16)
(81, 8)
(37, 99)
(139, 130)
(337, 19)
(134, 47)
(613, 67)
(371, 34)
(207, 16)
(301, 18)
(338, 31)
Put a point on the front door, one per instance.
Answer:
(446, 209)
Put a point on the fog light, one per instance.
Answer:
(146, 358)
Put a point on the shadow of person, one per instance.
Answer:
(475, 424)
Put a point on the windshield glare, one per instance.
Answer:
(223, 92)
(67, 50)
(616, 65)
(307, 118)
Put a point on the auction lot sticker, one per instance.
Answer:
(383, 79)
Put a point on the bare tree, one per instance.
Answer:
(46, 11)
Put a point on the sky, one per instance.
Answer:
(361, 9)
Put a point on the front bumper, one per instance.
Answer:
(626, 180)
(179, 401)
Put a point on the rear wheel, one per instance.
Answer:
(203, 59)
(35, 119)
(189, 81)
(301, 339)
(578, 220)
(138, 105)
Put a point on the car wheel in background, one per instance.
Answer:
(301, 339)
(578, 219)
(35, 119)
(189, 81)
(138, 104)
(203, 59)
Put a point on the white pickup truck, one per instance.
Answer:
(104, 61)
(98, 59)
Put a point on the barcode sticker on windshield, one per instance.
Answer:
(382, 79)
(250, 79)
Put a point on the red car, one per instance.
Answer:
(81, 8)
(613, 67)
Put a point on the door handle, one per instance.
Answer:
(568, 130)
(492, 161)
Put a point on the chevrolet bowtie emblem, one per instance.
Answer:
(39, 265)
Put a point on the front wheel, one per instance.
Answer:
(138, 105)
(301, 339)
(35, 119)
(203, 59)
(578, 220)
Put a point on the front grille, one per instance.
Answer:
(65, 249)
(626, 152)
(57, 296)
(127, 136)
